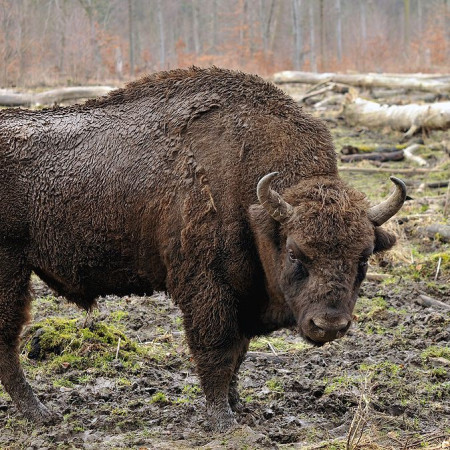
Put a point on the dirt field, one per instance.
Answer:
(122, 377)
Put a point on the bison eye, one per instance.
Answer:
(292, 256)
(362, 269)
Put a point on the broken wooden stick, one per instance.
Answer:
(409, 154)
(428, 302)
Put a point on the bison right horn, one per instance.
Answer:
(272, 202)
(385, 210)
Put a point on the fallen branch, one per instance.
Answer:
(322, 90)
(370, 80)
(352, 149)
(386, 170)
(409, 154)
(337, 99)
(428, 302)
(398, 117)
(10, 98)
(374, 156)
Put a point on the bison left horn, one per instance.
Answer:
(272, 202)
(385, 210)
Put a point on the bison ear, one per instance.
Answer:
(383, 240)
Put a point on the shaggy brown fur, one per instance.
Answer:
(154, 188)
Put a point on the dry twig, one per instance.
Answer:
(360, 419)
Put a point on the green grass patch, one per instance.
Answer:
(436, 351)
(275, 385)
(279, 344)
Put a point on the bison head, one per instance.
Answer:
(314, 244)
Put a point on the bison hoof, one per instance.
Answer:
(235, 402)
(221, 419)
(41, 414)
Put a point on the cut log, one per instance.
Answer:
(10, 98)
(436, 230)
(404, 117)
(370, 80)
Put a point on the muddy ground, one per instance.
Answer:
(122, 376)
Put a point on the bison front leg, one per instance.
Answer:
(14, 305)
(216, 369)
(217, 345)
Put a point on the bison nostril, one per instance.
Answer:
(329, 328)
(319, 331)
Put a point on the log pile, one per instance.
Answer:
(439, 84)
(12, 98)
(410, 118)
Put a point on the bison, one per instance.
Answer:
(210, 184)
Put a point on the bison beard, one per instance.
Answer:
(168, 185)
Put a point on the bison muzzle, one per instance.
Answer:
(169, 185)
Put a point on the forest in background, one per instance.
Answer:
(48, 42)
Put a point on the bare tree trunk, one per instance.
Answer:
(339, 30)
(131, 36)
(162, 42)
(407, 24)
(312, 37)
(420, 29)
(323, 62)
(273, 32)
(119, 63)
(89, 9)
(62, 32)
(298, 58)
(266, 23)
(363, 34)
(214, 26)
(196, 27)
(243, 28)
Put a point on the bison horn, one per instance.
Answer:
(385, 210)
(272, 202)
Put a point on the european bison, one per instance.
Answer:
(170, 184)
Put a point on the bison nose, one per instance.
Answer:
(325, 330)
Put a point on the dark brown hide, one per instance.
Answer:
(154, 188)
